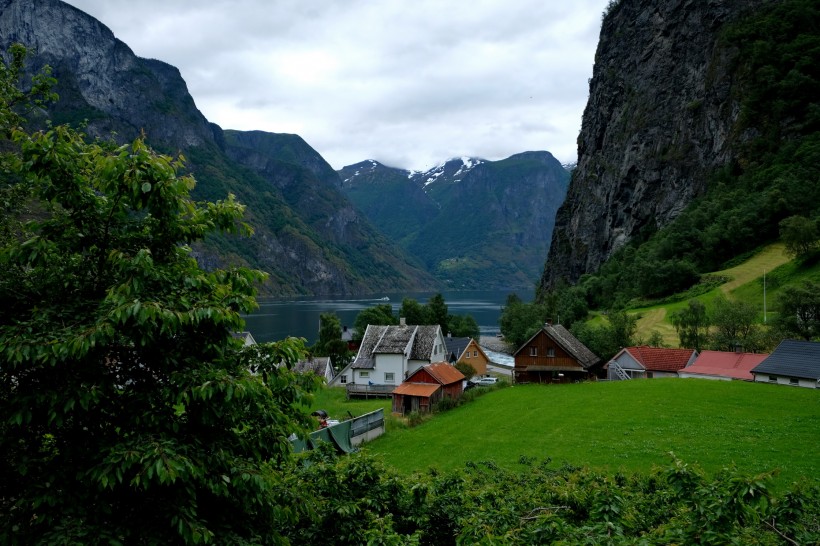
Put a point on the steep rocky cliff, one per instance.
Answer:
(660, 120)
(475, 224)
(308, 235)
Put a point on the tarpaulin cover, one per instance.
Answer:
(341, 435)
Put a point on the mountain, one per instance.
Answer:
(308, 235)
(474, 224)
(699, 136)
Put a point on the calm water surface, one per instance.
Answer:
(279, 318)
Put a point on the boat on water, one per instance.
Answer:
(384, 299)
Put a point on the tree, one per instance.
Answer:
(800, 234)
(623, 327)
(463, 326)
(379, 314)
(800, 310)
(519, 321)
(414, 312)
(466, 369)
(330, 341)
(692, 325)
(437, 310)
(130, 414)
(735, 324)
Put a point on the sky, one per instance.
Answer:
(409, 83)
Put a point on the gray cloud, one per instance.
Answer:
(407, 83)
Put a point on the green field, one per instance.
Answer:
(623, 426)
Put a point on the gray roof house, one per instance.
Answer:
(388, 354)
(793, 362)
(320, 365)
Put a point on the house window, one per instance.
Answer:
(793, 381)
(389, 377)
(533, 351)
(475, 354)
(773, 378)
(467, 354)
(550, 352)
(343, 379)
(364, 375)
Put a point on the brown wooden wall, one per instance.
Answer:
(542, 342)
(479, 363)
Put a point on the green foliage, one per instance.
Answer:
(379, 314)
(463, 326)
(414, 312)
(519, 321)
(800, 310)
(692, 325)
(330, 341)
(359, 500)
(438, 314)
(466, 369)
(607, 339)
(735, 326)
(800, 235)
(130, 414)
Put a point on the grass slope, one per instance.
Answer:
(745, 282)
(622, 426)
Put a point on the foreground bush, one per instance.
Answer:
(356, 500)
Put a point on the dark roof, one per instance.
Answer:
(569, 343)
(317, 365)
(793, 358)
(395, 339)
(364, 358)
(456, 345)
(423, 344)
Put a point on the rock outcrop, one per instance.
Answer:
(660, 119)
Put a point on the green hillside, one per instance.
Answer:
(743, 282)
(627, 426)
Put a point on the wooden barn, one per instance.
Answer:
(426, 386)
(554, 355)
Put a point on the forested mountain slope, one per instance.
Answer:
(473, 223)
(308, 235)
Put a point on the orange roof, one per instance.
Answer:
(417, 389)
(659, 358)
(726, 364)
(444, 372)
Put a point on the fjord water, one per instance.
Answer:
(299, 317)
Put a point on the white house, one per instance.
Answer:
(388, 354)
(648, 362)
(319, 365)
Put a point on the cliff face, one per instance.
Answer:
(307, 236)
(661, 117)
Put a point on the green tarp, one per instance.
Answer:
(338, 435)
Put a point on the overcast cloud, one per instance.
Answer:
(409, 83)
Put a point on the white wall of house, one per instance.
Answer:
(702, 376)
(786, 380)
(628, 364)
(389, 364)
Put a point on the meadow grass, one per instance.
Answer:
(627, 426)
(334, 401)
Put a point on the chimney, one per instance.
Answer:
(402, 321)
(548, 323)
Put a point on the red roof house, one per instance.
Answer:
(426, 386)
(723, 365)
(648, 362)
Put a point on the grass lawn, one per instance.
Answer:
(626, 425)
(334, 401)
